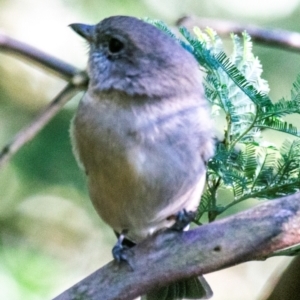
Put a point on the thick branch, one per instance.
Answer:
(282, 39)
(170, 256)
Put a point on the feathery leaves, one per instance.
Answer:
(245, 162)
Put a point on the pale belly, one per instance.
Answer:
(137, 181)
(141, 206)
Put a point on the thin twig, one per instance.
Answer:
(27, 52)
(170, 256)
(28, 133)
(283, 39)
(78, 80)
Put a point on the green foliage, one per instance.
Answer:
(245, 162)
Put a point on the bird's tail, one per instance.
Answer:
(192, 288)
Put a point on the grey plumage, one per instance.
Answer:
(142, 131)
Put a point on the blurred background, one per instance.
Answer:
(50, 236)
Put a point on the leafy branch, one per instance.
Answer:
(245, 163)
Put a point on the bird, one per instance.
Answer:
(143, 134)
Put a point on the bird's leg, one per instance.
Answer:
(183, 219)
(119, 250)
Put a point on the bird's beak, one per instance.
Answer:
(86, 31)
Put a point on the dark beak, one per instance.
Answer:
(86, 31)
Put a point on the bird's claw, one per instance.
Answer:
(119, 252)
(183, 219)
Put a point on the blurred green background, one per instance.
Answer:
(50, 236)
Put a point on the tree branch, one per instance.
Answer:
(169, 256)
(38, 57)
(78, 81)
(279, 38)
(28, 133)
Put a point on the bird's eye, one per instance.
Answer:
(115, 45)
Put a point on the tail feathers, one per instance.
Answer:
(193, 288)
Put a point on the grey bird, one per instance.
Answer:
(143, 133)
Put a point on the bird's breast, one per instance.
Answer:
(140, 168)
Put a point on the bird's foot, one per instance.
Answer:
(183, 219)
(119, 250)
